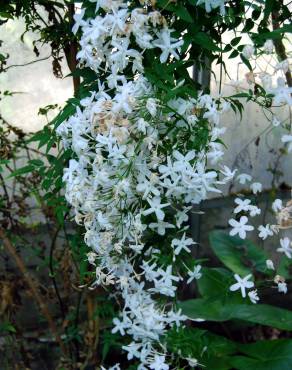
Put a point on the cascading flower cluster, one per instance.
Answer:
(139, 163)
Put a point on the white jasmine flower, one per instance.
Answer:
(133, 350)
(248, 51)
(253, 296)
(78, 21)
(216, 153)
(182, 216)
(147, 188)
(212, 114)
(151, 106)
(265, 231)
(277, 205)
(240, 227)
(156, 207)
(269, 47)
(159, 363)
(142, 125)
(229, 175)
(119, 326)
(226, 106)
(213, 4)
(195, 274)
(242, 284)
(282, 93)
(137, 247)
(270, 265)
(116, 366)
(193, 362)
(217, 132)
(182, 244)
(204, 100)
(91, 257)
(254, 211)
(282, 287)
(266, 80)
(256, 187)
(287, 139)
(169, 45)
(276, 122)
(243, 178)
(285, 247)
(161, 226)
(242, 205)
(163, 282)
(283, 66)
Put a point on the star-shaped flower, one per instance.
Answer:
(168, 45)
(181, 244)
(285, 247)
(240, 227)
(242, 284)
(156, 207)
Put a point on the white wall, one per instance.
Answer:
(35, 84)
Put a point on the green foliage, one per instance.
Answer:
(210, 349)
(216, 352)
(240, 256)
(7, 327)
(214, 282)
(223, 310)
(265, 355)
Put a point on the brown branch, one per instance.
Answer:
(33, 288)
(279, 46)
(71, 50)
(92, 330)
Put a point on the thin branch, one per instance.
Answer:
(52, 272)
(26, 64)
(33, 288)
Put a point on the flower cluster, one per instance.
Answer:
(139, 161)
(280, 95)
(271, 76)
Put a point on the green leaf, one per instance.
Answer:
(240, 256)
(235, 41)
(278, 33)
(214, 282)
(268, 9)
(178, 9)
(183, 14)
(6, 15)
(220, 310)
(22, 171)
(205, 41)
(246, 62)
(7, 327)
(36, 162)
(192, 342)
(248, 25)
(265, 355)
(234, 54)
(285, 267)
(66, 112)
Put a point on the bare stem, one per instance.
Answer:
(34, 289)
